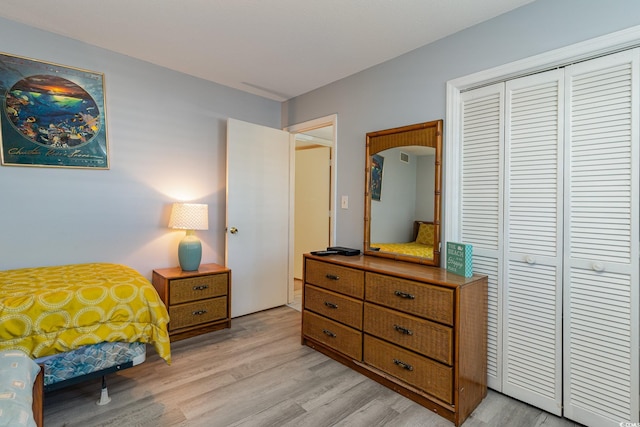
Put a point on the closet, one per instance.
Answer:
(548, 197)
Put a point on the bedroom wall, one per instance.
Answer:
(411, 88)
(167, 139)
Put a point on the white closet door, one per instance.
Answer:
(532, 314)
(481, 204)
(601, 241)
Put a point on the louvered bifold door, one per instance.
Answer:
(532, 311)
(481, 204)
(601, 241)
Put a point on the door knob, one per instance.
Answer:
(233, 230)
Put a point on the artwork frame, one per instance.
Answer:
(377, 168)
(51, 115)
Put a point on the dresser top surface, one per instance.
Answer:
(401, 269)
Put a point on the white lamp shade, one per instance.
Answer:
(189, 216)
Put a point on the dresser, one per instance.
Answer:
(197, 301)
(418, 330)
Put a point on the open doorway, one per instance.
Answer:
(313, 194)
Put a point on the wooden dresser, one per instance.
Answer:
(418, 330)
(197, 301)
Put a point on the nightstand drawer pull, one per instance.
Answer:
(403, 330)
(329, 333)
(403, 365)
(200, 287)
(332, 277)
(199, 312)
(404, 295)
(330, 304)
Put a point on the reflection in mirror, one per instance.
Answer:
(402, 209)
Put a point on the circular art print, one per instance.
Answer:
(52, 111)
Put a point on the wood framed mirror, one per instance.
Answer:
(403, 187)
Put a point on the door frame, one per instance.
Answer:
(331, 120)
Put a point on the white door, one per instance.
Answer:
(601, 241)
(532, 309)
(257, 223)
(482, 137)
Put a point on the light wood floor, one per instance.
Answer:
(258, 374)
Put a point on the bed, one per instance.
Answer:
(82, 320)
(420, 246)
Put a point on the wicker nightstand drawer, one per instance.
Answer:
(345, 280)
(422, 336)
(334, 306)
(195, 313)
(432, 302)
(336, 335)
(432, 377)
(197, 288)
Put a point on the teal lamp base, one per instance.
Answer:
(190, 252)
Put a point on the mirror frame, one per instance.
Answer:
(428, 134)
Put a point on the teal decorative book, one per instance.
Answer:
(460, 259)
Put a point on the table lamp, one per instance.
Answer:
(190, 217)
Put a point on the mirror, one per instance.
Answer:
(402, 193)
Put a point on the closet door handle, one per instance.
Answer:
(597, 266)
(530, 259)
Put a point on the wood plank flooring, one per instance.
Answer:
(258, 374)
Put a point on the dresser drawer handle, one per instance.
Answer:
(330, 304)
(332, 277)
(403, 365)
(403, 330)
(329, 333)
(404, 295)
(199, 312)
(200, 287)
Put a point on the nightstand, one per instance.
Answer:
(197, 301)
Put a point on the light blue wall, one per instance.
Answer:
(167, 141)
(167, 135)
(411, 89)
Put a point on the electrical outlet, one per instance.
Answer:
(345, 202)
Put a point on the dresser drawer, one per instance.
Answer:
(422, 336)
(345, 280)
(432, 302)
(335, 306)
(195, 313)
(421, 372)
(333, 334)
(196, 288)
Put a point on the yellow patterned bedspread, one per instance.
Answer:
(49, 310)
(410, 248)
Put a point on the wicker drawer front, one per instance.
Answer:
(432, 302)
(345, 280)
(428, 338)
(425, 374)
(196, 288)
(333, 334)
(195, 313)
(335, 306)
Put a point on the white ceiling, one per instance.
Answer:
(273, 48)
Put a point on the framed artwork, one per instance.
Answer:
(377, 163)
(51, 115)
